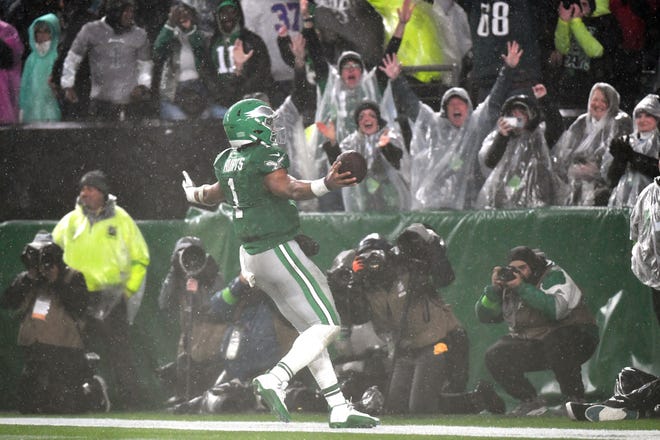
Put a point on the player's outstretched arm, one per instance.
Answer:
(283, 185)
(204, 195)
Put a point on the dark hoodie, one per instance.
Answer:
(228, 87)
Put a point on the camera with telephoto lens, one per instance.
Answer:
(49, 256)
(192, 260)
(507, 273)
(374, 266)
(41, 256)
(374, 260)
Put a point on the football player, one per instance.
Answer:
(252, 177)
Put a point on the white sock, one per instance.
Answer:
(324, 374)
(305, 349)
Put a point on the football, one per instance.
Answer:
(354, 162)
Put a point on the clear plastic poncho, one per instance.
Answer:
(385, 188)
(337, 103)
(645, 232)
(444, 172)
(523, 177)
(633, 182)
(303, 156)
(586, 141)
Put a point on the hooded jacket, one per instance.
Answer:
(228, 87)
(38, 101)
(167, 49)
(586, 141)
(646, 151)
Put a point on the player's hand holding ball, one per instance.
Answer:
(354, 162)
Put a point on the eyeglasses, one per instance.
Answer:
(349, 66)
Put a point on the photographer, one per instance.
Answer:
(430, 347)
(49, 299)
(254, 335)
(550, 328)
(192, 280)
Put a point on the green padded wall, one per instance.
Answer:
(591, 244)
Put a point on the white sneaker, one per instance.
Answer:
(603, 413)
(271, 391)
(345, 416)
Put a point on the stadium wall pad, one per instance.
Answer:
(592, 244)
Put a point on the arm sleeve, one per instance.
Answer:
(393, 154)
(615, 170)
(331, 151)
(145, 64)
(556, 296)
(301, 93)
(139, 258)
(163, 44)
(224, 302)
(315, 53)
(562, 37)
(71, 64)
(489, 306)
(14, 295)
(406, 101)
(74, 57)
(590, 45)
(75, 295)
(554, 124)
(392, 48)
(645, 164)
(283, 44)
(538, 300)
(493, 154)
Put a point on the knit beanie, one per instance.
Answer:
(96, 179)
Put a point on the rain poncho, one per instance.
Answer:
(10, 76)
(304, 160)
(337, 102)
(444, 172)
(644, 224)
(385, 188)
(633, 181)
(586, 141)
(521, 175)
(37, 100)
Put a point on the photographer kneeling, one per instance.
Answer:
(550, 328)
(430, 346)
(49, 299)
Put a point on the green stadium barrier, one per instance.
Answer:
(592, 244)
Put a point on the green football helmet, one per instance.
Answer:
(249, 121)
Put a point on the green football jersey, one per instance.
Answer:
(261, 220)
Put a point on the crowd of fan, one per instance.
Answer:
(490, 143)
